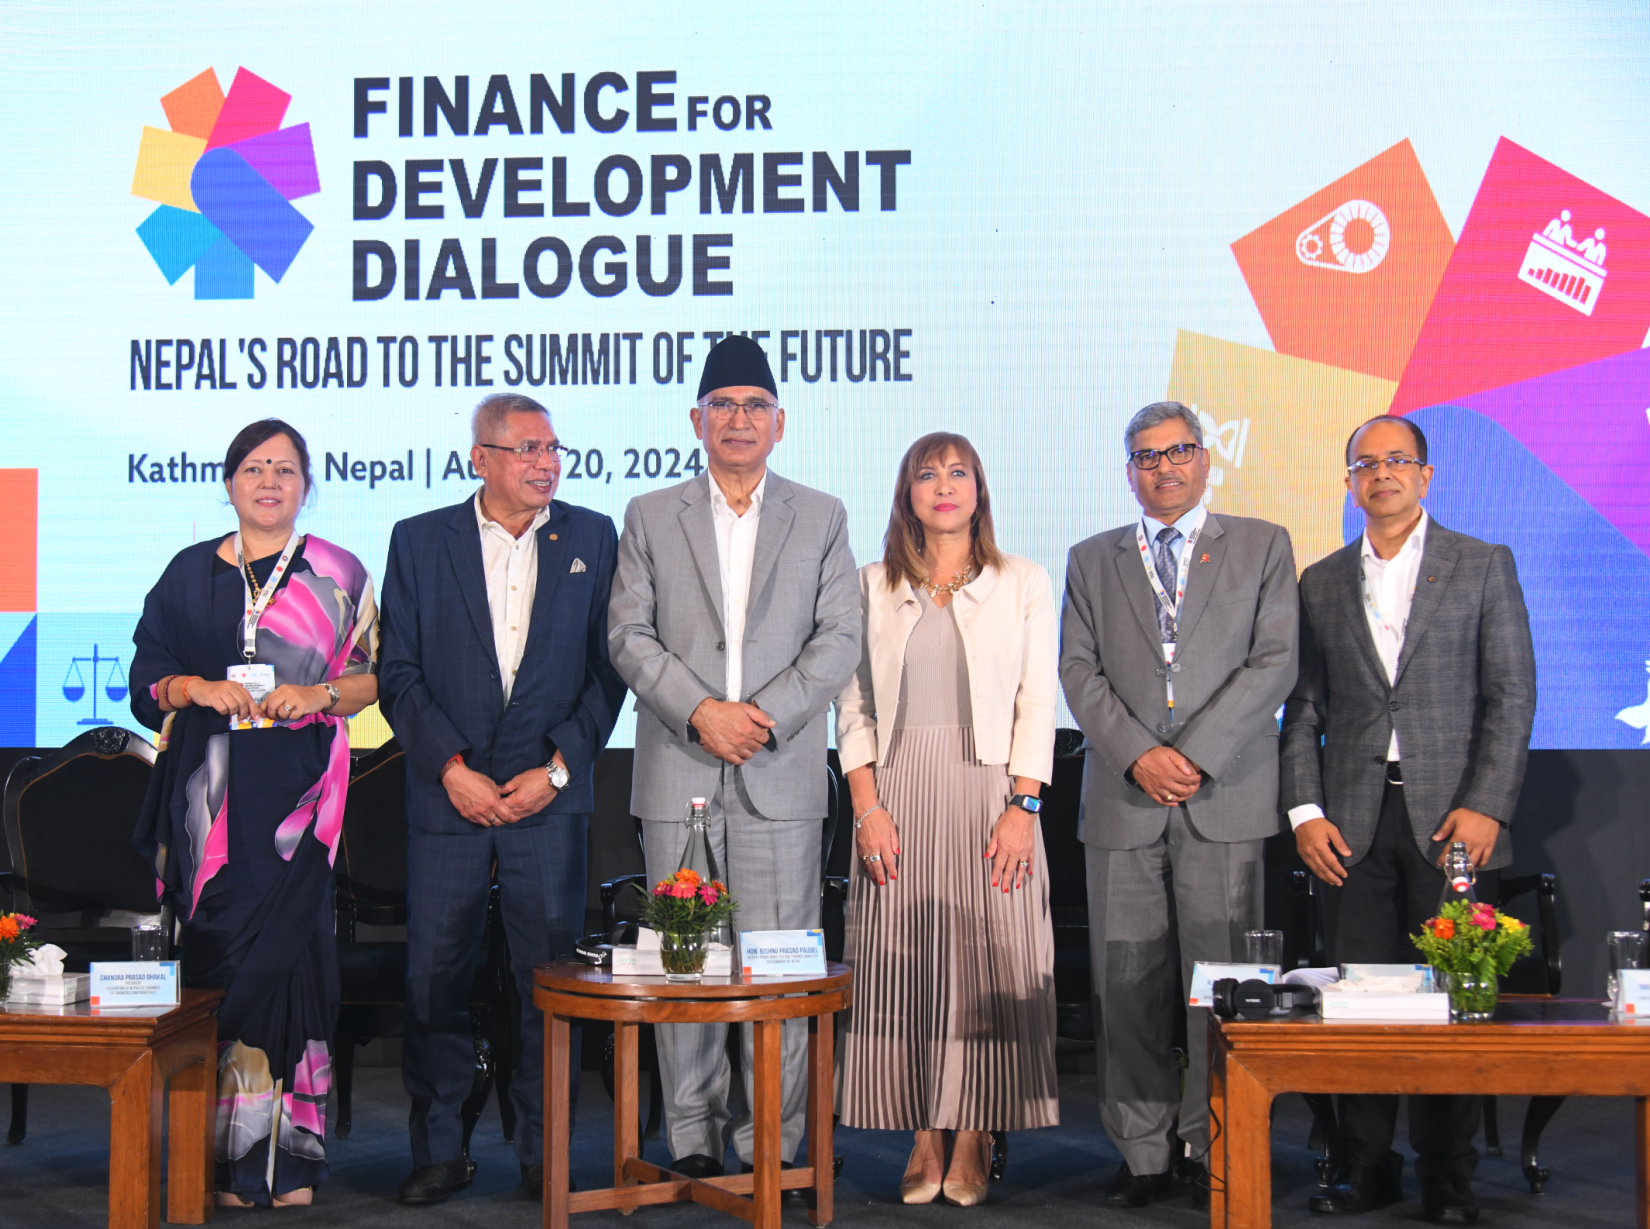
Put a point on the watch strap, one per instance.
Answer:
(1026, 803)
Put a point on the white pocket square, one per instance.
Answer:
(578, 566)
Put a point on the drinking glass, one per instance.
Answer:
(1626, 952)
(148, 942)
(1263, 947)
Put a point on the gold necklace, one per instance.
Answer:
(958, 581)
(252, 581)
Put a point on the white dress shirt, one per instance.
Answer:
(1388, 593)
(736, 553)
(511, 565)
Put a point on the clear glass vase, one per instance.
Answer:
(1472, 999)
(683, 955)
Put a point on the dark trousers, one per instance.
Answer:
(541, 873)
(1368, 919)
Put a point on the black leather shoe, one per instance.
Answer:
(1372, 1186)
(532, 1181)
(697, 1165)
(1134, 1190)
(433, 1183)
(1449, 1202)
(794, 1195)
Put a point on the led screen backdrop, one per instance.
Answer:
(1018, 221)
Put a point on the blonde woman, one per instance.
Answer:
(946, 734)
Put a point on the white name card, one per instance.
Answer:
(782, 953)
(1632, 993)
(134, 983)
(1205, 973)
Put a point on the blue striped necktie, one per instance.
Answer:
(1163, 557)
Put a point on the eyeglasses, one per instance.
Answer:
(722, 407)
(1150, 458)
(1369, 468)
(532, 450)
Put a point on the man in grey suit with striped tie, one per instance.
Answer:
(1178, 644)
(735, 619)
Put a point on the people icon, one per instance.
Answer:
(1593, 249)
(1558, 230)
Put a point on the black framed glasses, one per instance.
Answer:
(1368, 467)
(532, 450)
(1151, 458)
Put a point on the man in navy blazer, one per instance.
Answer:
(494, 674)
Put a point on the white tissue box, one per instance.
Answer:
(1379, 1006)
(48, 991)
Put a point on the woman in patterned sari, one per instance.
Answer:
(247, 798)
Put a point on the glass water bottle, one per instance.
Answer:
(698, 857)
(1459, 875)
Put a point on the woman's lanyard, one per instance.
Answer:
(256, 604)
(1173, 607)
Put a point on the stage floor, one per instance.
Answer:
(58, 1178)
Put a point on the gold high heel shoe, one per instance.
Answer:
(966, 1194)
(919, 1192)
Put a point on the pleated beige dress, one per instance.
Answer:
(952, 1025)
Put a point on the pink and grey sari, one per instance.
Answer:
(243, 828)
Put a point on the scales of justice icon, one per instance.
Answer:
(114, 684)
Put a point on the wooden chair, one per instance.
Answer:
(69, 818)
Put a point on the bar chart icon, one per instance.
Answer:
(1567, 276)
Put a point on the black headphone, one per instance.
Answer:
(1254, 999)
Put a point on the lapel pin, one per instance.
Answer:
(1430, 579)
(1205, 559)
(552, 537)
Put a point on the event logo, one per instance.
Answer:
(224, 176)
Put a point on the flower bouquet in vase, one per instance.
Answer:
(1473, 945)
(16, 945)
(686, 910)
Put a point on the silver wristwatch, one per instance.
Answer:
(559, 776)
(332, 692)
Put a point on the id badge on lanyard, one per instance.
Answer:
(1172, 606)
(258, 679)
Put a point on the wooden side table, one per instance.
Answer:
(1556, 1047)
(567, 992)
(134, 1056)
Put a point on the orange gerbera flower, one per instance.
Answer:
(9, 929)
(1443, 928)
(688, 876)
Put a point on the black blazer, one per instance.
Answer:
(438, 674)
(1463, 704)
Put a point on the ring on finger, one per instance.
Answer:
(873, 857)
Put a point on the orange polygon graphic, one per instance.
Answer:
(1346, 276)
(19, 519)
(193, 107)
(1276, 429)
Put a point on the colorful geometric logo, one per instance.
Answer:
(224, 177)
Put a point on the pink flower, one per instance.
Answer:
(660, 888)
(707, 894)
(1483, 920)
(683, 891)
(26, 920)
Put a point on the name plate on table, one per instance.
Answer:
(134, 983)
(782, 953)
(1632, 993)
(1205, 973)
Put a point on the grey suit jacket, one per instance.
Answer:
(802, 641)
(1234, 666)
(1463, 704)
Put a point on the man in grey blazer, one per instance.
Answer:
(735, 619)
(1408, 729)
(1178, 643)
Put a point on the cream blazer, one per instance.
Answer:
(1007, 623)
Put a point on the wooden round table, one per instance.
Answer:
(568, 992)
